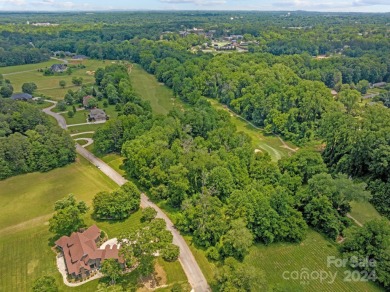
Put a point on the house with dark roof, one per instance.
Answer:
(58, 68)
(96, 115)
(21, 96)
(82, 256)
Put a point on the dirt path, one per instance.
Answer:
(354, 220)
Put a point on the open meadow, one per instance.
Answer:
(48, 86)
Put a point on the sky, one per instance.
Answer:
(267, 5)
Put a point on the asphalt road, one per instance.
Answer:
(194, 274)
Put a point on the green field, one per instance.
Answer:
(25, 197)
(310, 254)
(48, 85)
(364, 211)
(146, 86)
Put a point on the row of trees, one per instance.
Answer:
(29, 142)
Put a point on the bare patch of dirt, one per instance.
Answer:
(156, 281)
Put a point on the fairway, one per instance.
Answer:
(261, 141)
(49, 85)
(146, 86)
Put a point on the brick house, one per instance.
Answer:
(81, 254)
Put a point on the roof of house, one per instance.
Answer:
(80, 247)
(97, 114)
(85, 99)
(58, 67)
(21, 96)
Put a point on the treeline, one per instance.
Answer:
(361, 148)
(29, 142)
(22, 55)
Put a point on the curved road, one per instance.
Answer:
(195, 276)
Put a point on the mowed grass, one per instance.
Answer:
(274, 259)
(49, 85)
(146, 86)
(84, 128)
(364, 211)
(25, 197)
(311, 255)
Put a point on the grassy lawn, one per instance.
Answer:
(25, 197)
(81, 142)
(48, 85)
(311, 254)
(146, 86)
(364, 211)
(276, 258)
(115, 161)
(79, 117)
(28, 67)
(84, 128)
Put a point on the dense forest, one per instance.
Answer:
(29, 141)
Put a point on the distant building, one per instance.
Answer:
(21, 96)
(81, 254)
(79, 57)
(379, 84)
(96, 115)
(58, 68)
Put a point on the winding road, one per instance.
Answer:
(194, 274)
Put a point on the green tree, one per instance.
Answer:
(92, 103)
(70, 114)
(171, 252)
(29, 87)
(6, 90)
(68, 217)
(112, 269)
(45, 284)
(148, 214)
(363, 86)
(62, 83)
(61, 106)
(118, 204)
(235, 276)
(371, 242)
(349, 98)
(77, 81)
(237, 241)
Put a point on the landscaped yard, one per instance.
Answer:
(49, 85)
(26, 204)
